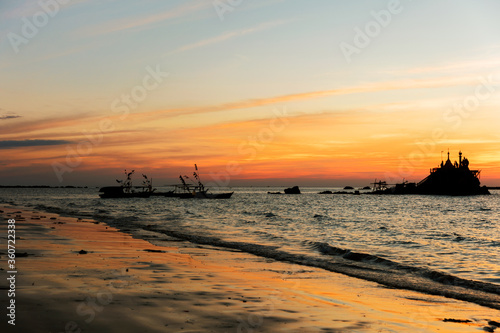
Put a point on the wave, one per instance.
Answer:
(364, 266)
(61, 211)
(435, 276)
(321, 255)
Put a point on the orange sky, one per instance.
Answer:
(336, 147)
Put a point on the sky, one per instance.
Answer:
(274, 92)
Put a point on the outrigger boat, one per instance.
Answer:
(183, 190)
(198, 190)
(126, 190)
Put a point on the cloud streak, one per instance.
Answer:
(144, 22)
(469, 66)
(366, 88)
(36, 125)
(227, 36)
(9, 144)
(30, 8)
(88, 121)
(3, 117)
(8, 115)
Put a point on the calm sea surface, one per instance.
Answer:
(427, 237)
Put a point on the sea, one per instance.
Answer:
(443, 245)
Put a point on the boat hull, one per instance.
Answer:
(172, 194)
(124, 195)
(117, 192)
(205, 195)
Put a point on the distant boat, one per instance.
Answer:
(126, 190)
(447, 179)
(452, 179)
(198, 190)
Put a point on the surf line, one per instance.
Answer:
(428, 282)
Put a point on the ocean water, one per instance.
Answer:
(434, 244)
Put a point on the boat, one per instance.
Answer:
(126, 189)
(198, 190)
(452, 179)
(449, 178)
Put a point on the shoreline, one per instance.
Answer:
(80, 274)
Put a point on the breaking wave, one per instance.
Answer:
(364, 266)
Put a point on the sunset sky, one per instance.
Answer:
(257, 92)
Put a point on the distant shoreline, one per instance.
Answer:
(40, 186)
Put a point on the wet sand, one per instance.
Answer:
(83, 276)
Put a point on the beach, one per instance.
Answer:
(81, 275)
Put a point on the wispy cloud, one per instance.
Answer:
(34, 125)
(8, 144)
(145, 21)
(21, 9)
(227, 36)
(467, 66)
(468, 141)
(3, 117)
(364, 88)
(89, 121)
(8, 115)
(29, 8)
(37, 127)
